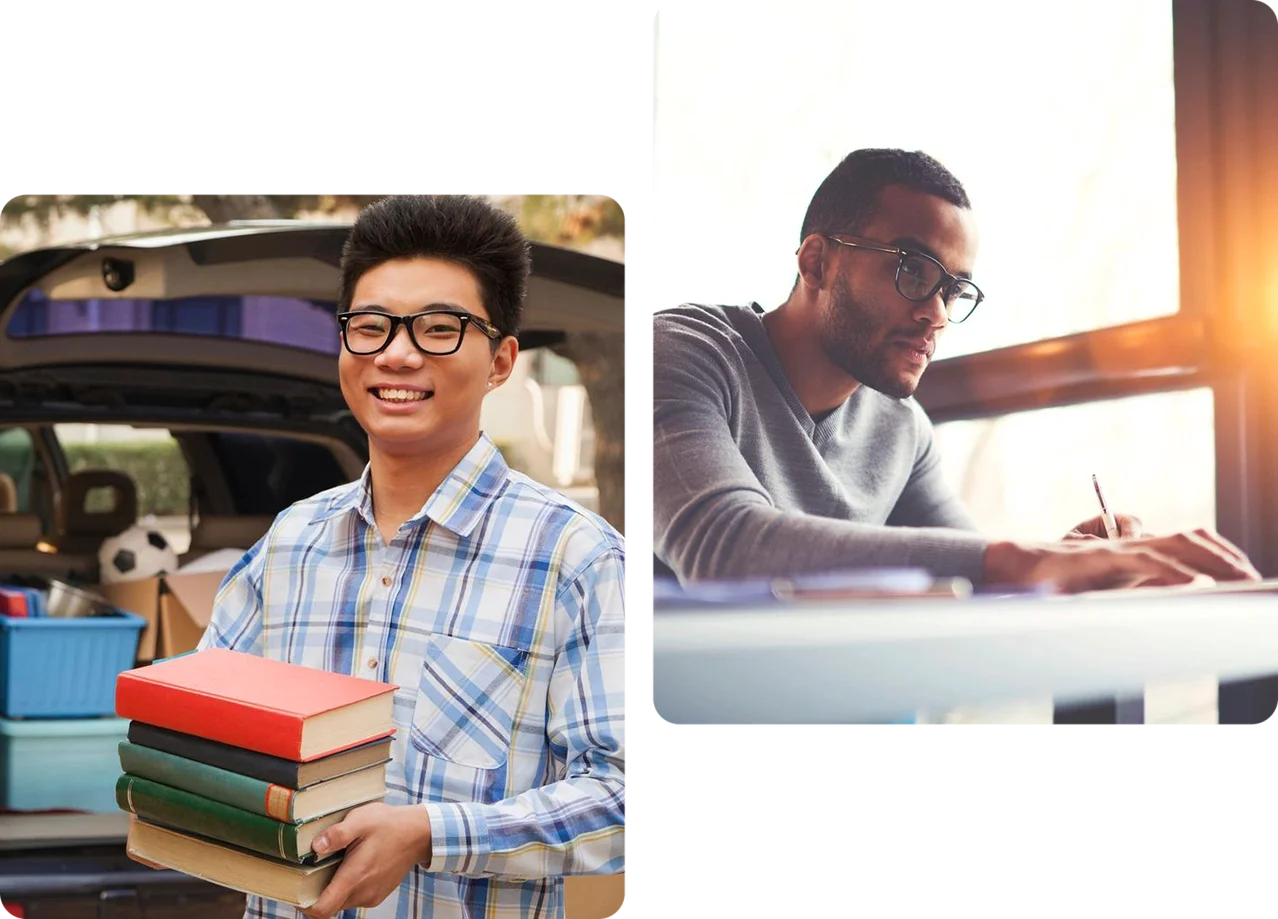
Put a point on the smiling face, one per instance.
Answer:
(411, 403)
(867, 328)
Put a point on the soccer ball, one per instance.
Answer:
(138, 552)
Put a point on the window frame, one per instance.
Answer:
(1226, 88)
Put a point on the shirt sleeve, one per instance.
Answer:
(928, 500)
(236, 623)
(712, 517)
(575, 825)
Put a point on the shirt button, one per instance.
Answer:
(386, 582)
(372, 663)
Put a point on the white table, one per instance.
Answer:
(881, 661)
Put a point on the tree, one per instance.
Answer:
(569, 221)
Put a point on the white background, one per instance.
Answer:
(776, 821)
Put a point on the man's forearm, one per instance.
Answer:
(731, 539)
(1008, 562)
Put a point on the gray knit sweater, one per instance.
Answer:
(748, 485)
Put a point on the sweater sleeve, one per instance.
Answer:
(712, 517)
(928, 500)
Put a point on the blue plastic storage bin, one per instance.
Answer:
(64, 668)
(73, 764)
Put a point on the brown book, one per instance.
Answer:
(228, 866)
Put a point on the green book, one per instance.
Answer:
(182, 810)
(275, 801)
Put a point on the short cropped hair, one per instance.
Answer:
(846, 200)
(461, 229)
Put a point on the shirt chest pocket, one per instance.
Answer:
(467, 700)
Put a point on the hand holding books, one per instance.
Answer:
(391, 840)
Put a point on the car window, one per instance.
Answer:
(265, 474)
(18, 461)
(148, 456)
(288, 321)
(547, 368)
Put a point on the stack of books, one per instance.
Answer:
(235, 763)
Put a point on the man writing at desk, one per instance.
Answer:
(787, 442)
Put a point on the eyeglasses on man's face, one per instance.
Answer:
(919, 277)
(436, 332)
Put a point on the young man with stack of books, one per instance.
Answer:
(492, 603)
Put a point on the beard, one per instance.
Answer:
(855, 339)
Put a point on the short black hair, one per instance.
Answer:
(457, 228)
(846, 200)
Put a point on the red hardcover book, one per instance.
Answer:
(273, 707)
(13, 603)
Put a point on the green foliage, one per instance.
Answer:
(569, 220)
(555, 219)
(156, 467)
(217, 208)
(42, 208)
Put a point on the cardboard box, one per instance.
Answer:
(177, 608)
(593, 896)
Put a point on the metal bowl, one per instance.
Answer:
(67, 602)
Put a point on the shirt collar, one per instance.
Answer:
(355, 496)
(458, 504)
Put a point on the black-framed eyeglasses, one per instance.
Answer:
(436, 332)
(919, 277)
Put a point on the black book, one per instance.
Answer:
(273, 769)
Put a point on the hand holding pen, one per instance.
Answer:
(1107, 525)
(1112, 550)
(1107, 516)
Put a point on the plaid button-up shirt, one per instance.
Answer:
(497, 611)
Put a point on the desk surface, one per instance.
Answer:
(866, 662)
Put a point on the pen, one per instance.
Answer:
(1111, 525)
